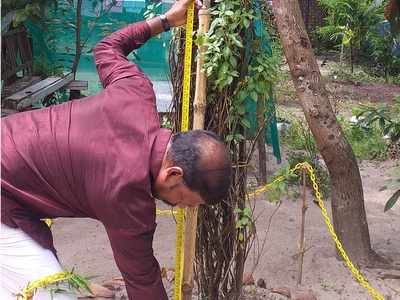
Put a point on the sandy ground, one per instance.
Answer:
(83, 244)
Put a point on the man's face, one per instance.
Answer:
(182, 197)
(170, 188)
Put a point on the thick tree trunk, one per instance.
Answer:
(348, 210)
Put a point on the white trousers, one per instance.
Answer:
(23, 260)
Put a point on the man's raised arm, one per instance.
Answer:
(110, 54)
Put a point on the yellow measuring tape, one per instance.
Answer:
(356, 273)
(165, 212)
(180, 214)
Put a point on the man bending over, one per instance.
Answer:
(104, 157)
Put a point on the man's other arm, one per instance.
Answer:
(134, 256)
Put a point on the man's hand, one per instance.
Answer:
(176, 16)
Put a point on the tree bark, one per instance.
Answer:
(348, 209)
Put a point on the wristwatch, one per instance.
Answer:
(165, 23)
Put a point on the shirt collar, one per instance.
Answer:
(158, 151)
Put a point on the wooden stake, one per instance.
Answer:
(199, 107)
(303, 218)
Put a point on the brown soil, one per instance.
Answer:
(350, 92)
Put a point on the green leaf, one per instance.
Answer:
(241, 109)
(254, 95)
(392, 201)
(245, 123)
(237, 210)
(236, 41)
(227, 52)
(232, 61)
(229, 138)
(382, 123)
(239, 137)
(241, 96)
(246, 23)
(247, 212)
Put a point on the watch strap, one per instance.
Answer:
(165, 23)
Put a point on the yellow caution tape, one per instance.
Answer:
(310, 171)
(180, 214)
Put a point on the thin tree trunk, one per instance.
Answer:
(351, 57)
(341, 54)
(240, 258)
(348, 210)
(262, 153)
(78, 47)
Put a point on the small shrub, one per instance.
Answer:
(283, 187)
(384, 116)
(299, 137)
(366, 142)
(382, 47)
(301, 143)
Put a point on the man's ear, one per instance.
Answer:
(174, 176)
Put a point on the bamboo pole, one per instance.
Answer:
(199, 106)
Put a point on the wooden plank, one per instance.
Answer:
(45, 91)
(38, 91)
(33, 89)
(19, 85)
(77, 85)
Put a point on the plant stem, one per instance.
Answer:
(303, 218)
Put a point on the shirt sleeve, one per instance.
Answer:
(111, 53)
(134, 256)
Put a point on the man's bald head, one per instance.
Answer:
(205, 163)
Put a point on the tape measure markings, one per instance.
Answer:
(180, 215)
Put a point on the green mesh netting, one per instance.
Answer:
(54, 39)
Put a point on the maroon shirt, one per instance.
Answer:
(95, 157)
